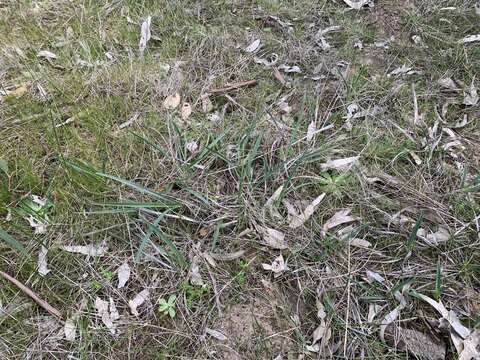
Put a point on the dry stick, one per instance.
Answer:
(34, 296)
(233, 87)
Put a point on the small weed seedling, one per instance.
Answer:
(168, 306)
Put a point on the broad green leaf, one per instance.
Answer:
(12, 242)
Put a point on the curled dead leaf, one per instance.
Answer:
(172, 101)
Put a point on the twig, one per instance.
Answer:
(234, 86)
(234, 102)
(34, 296)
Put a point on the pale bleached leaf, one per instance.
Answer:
(270, 204)
(374, 276)
(103, 312)
(269, 61)
(192, 146)
(471, 97)
(340, 164)
(420, 344)
(471, 347)
(319, 332)
(145, 34)
(253, 46)
(450, 316)
(438, 237)
(449, 84)
(312, 128)
(361, 243)
(89, 250)
(129, 122)
(373, 311)
(340, 217)
(215, 334)
(273, 238)
(388, 319)
(186, 111)
(172, 101)
(290, 69)
(70, 329)
(228, 257)
(123, 274)
(277, 267)
(470, 39)
(299, 220)
(42, 261)
(207, 105)
(138, 300)
(194, 273)
(46, 54)
(358, 4)
(114, 315)
(402, 70)
(39, 226)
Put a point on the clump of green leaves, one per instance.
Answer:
(333, 183)
(193, 293)
(168, 306)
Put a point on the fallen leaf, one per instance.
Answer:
(449, 84)
(358, 4)
(290, 69)
(340, 164)
(114, 315)
(402, 70)
(228, 257)
(438, 237)
(186, 111)
(269, 61)
(138, 300)
(277, 267)
(470, 347)
(312, 128)
(470, 39)
(359, 243)
(253, 46)
(129, 121)
(123, 274)
(299, 220)
(340, 217)
(471, 97)
(89, 250)
(449, 316)
(102, 311)
(194, 272)
(417, 117)
(171, 101)
(271, 202)
(284, 107)
(388, 319)
(374, 276)
(319, 332)
(207, 105)
(46, 54)
(274, 238)
(70, 327)
(215, 334)
(40, 227)
(66, 122)
(145, 34)
(42, 261)
(373, 311)
(419, 344)
(192, 146)
(214, 118)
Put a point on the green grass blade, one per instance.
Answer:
(413, 235)
(12, 242)
(146, 237)
(438, 281)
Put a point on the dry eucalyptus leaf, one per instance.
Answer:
(361, 243)
(145, 34)
(470, 39)
(207, 105)
(340, 217)
(373, 311)
(470, 347)
(299, 220)
(42, 261)
(419, 344)
(186, 111)
(172, 101)
(129, 121)
(471, 97)
(274, 238)
(374, 276)
(402, 70)
(277, 267)
(194, 272)
(388, 319)
(89, 250)
(358, 4)
(114, 315)
(253, 46)
(270, 204)
(437, 237)
(449, 84)
(123, 274)
(46, 54)
(269, 61)
(290, 69)
(319, 332)
(340, 164)
(312, 128)
(192, 146)
(102, 311)
(228, 257)
(138, 300)
(215, 334)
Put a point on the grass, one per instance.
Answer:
(163, 208)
